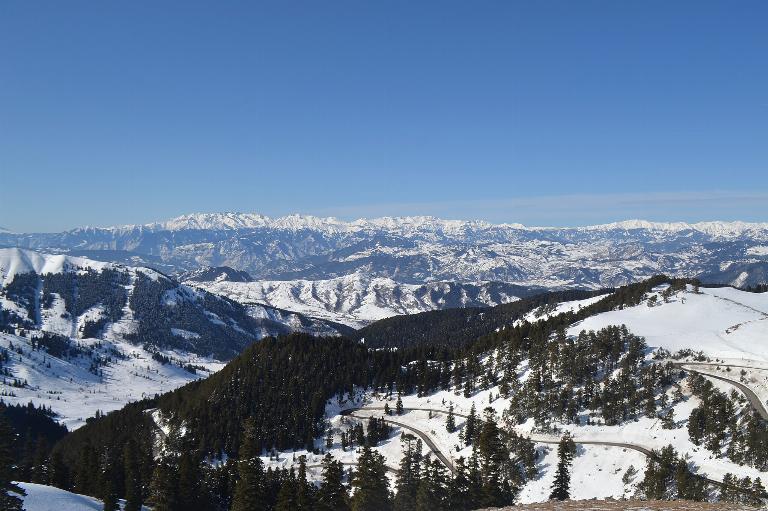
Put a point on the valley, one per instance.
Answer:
(422, 250)
(521, 367)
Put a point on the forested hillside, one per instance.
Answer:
(274, 398)
(457, 327)
(76, 298)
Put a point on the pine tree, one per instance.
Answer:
(86, 470)
(475, 492)
(399, 405)
(450, 420)
(28, 458)
(249, 491)
(304, 491)
(470, 428)
(370, 483)
(432, 491)
(726, 490)
(492, 456)
(562, 483)
(162, 489)
(668, 420)
(8, 501)
(758, 490)
(458, 492)
(286, 497)
(408, 474)
(132, 477)
(40, 464)
(59, 472)
(332, 495)
(190, 496)
(109, 483)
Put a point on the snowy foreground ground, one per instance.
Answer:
(720, 322)
(606, 505)
(47, 498)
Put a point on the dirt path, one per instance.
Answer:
(735, 327)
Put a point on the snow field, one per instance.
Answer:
(721, 322)
(75, 393)
(47, 498)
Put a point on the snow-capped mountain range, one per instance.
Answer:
(78, 298)
(360, 298)
(418, 250)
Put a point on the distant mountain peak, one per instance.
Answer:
(404, 224)
(714, 228)
(420, 249)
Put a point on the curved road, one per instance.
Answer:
(347, 463)
(535, 438)
(428, 441)
(753, 399)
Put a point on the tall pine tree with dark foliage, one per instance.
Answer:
(132, 477)
(332, 495)
(8, 501)
(249, 492)
(370, 483)
(561, 487)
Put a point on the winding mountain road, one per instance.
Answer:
(753, 398)
(537, 438)
(348, 464)
(445, 460)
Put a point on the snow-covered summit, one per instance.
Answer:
(717, 229)
(18, 260)
(423, 249)
(359, 298)
(235, 220)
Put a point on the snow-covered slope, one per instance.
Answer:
(417, 250)
(215, 274)
(15, 260)
(103, 376)
(358, 299)
(48, 498)
(721, 322)
(77, 297)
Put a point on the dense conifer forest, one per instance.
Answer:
(222, 327)
(273, 397)
(457, 327)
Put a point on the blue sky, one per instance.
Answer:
(545, 112)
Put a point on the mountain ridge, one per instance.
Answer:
(238, 220)
(421, 250)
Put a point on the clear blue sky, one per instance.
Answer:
(543, 112)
